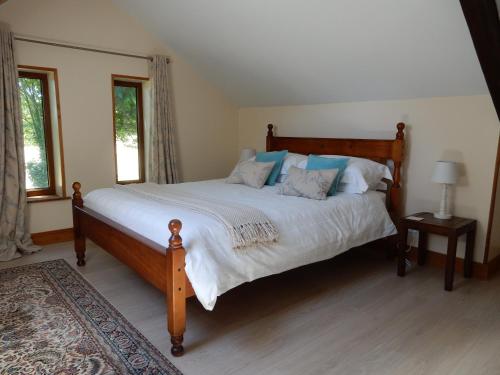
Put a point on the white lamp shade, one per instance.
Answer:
(445, 172)
(247, 153)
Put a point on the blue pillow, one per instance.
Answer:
(317, 162)
(277, 157)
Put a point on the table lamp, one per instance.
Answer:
(446, 173)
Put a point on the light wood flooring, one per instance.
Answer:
(351, 315)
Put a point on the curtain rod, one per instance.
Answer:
(63, 45)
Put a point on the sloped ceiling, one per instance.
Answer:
(287, 52)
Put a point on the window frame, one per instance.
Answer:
(122, 81)
(47, 129)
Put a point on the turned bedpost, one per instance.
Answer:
(176, 288)
(397, 157)
(269, 138)
(79, 238)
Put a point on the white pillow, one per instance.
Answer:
(360, 175)
(313, 184)
(250, 173)
(291, 160)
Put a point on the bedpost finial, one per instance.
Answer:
(269, 130)
(175, 240)
(76, 186)
(400, 134)
(77, 195)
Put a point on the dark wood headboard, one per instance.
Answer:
(379, 150)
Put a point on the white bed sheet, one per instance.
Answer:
(309, 230)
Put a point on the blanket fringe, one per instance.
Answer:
(252, 233)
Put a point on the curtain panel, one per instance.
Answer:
(14, 237)
(162, 163)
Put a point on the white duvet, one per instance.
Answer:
(309, 230)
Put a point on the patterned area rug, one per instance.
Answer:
(52, 321)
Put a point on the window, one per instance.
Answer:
(42, 130)
(128, 131)
(37, 130)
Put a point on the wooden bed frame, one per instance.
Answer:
(164, 268)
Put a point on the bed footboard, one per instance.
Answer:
(163, 268)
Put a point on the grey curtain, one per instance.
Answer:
(14, 238)
(162, 160)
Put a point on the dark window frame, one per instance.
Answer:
(140, 128)
(47, 128)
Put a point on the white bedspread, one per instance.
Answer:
(309, 230)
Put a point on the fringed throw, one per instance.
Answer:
(245, 225)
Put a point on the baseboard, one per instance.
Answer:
(52, 236)
(479, 270)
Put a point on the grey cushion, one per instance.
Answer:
(313, 184)
(251, 173)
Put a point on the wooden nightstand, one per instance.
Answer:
(452, 228)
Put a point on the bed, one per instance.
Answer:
(131, 225)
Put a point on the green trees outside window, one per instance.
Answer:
(35, 146)
(128, 131)
(126, 115)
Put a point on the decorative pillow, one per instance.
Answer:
(291, 159)
(313, 184)
(360, 175)
(251, 173)
(318, 163)
(276, 157)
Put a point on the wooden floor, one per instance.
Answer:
(354, 317)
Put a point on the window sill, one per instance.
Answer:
(47, 198)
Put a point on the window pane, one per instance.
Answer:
(35, 153)
(127, 142)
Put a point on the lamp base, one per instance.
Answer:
(442, 216)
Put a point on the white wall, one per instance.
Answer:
(206, 120)
(463, 129)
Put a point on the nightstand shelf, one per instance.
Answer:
(452, 228)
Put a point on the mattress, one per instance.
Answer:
(309, 230)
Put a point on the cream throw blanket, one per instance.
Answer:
(245, 225)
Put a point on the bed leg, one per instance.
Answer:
(176, 289)
(79, 238)
(391, 246)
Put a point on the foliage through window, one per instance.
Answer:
(35, 115)
(128, 125)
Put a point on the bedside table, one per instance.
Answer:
(452, 228)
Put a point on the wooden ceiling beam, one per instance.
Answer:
(484, 25)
